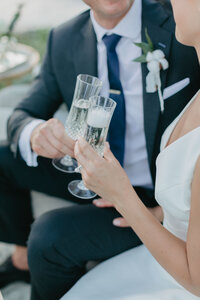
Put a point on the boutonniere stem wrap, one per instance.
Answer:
(156, 61)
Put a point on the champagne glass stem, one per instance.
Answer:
(78, 169)
(82, 186)
(67, 160)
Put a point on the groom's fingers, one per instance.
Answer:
(102, 203)
(120, 222)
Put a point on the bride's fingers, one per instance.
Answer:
(108, 155)
(120, 222)
(80, 155)
(86, 155)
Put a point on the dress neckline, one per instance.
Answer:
(173, 125)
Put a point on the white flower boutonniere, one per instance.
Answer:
(156, 62)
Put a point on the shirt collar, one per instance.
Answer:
(130, 26)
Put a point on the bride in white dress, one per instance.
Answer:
(167, 266)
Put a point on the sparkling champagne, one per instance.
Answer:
(76, 121)
(97, 128)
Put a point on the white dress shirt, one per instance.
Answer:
(27, 154)
(135, 156)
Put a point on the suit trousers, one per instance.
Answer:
(62, 241)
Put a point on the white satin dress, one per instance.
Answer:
(135, 274)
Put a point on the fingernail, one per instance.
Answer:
(97, 202)
(116, 222)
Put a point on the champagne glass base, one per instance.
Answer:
(66, 167)
(77, 189)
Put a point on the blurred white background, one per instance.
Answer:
(41, 13)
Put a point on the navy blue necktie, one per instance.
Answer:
(116, 135)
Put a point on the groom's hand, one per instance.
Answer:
(121, 222)
(50, 140)
(101, 203)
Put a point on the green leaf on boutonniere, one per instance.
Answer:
(149, 39)
(144, 46)
(141, 59)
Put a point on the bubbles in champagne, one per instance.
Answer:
(76, 121)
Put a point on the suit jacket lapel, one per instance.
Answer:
(85, 50)
(153, 17)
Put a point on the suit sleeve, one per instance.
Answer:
(42, 101)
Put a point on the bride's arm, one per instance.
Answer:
(106, 177)
(181, 259)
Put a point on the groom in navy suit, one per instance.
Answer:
(99, 42)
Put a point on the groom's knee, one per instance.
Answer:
(54, 253)
(53, 240)
(39, 241)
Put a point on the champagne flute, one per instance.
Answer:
(86, 86)
(99, 116)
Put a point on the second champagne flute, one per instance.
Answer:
(98, 120)
(86, 86)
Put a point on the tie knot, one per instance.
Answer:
(111, 41)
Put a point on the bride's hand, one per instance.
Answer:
(104, 176)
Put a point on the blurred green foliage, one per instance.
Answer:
(36, 39)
